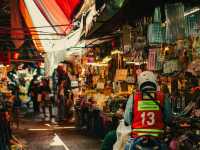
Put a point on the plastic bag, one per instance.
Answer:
(156, 33)
(123, 133)
(175, 22)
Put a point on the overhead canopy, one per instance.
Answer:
(29, 23)
(69, 7)
(85, 7)
(16, 22)
(54, 15)
(129, 12)
(107, 12)
(99, 40)
(49, 24)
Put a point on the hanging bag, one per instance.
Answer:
(155, 33)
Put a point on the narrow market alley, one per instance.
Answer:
(99, 74)
(36, 134)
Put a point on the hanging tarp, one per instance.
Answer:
(52, 59)
(47, 34)
(50, 41)
(63, 47)
(89, 20)
(69, 7)
(175, 29)
(29, 23)
(85, 7)
(78, 50)
(54, 15)
(111, 8)
(16, 25)
(53, 44)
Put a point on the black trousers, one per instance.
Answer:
(36, 107)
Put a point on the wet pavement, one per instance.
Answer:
(39, 134)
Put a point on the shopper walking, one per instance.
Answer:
(33, 93)
(16, 107)
(46, 102)
(61, 101)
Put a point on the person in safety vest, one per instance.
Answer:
(148, 111)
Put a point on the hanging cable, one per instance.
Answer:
(28, 33)
(40, 27)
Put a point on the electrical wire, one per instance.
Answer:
(26, 39)
(59, 25)
(31, 31)
(28, 33)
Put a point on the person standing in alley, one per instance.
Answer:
(61, 102)
(16, 106)
(45, 92)
(148, 111)
(33, 93)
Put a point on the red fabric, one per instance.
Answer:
(195, 88)
(140, 121)
(69, 7)
(5, 59)
(16, 22)
(8, 57)
(151, 65)
(2, 57)
(54, 15)
(27, 18)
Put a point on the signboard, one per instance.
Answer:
(130, 79)
(121, 75)
(170, 66)
(151, 65)
(95, 79)
(100, 85)
(74, 84)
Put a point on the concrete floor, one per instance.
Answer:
(39, 134)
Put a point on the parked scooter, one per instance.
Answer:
(184, 134)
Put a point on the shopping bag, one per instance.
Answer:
(123, 133)
(155, 33)
(175, 28)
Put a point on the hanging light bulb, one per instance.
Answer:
(16, 55)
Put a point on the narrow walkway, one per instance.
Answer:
(38, 134)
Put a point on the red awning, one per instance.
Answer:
(16, 24)
(69, 7)
(29, 23)
(54, 15)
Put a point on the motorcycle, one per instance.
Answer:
(184, 134)
(146, 142)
